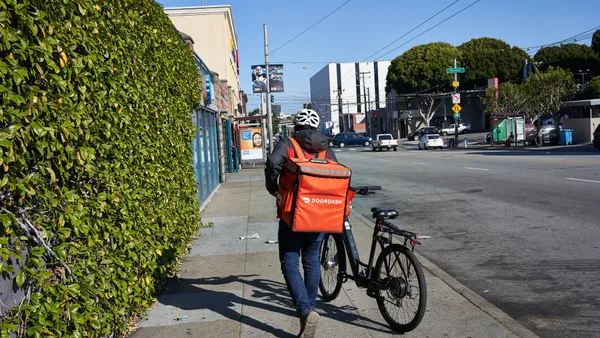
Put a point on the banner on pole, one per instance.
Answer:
(259, 78)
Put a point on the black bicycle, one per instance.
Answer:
(396, 281)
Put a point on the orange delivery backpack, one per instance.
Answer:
(312, 195)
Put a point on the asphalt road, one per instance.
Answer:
(522, 229)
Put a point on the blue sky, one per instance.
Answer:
(363, 27)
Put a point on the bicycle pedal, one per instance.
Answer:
(373, 293)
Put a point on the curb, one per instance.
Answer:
(480, 302)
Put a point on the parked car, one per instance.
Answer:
(530, 135)
(547, 130)
(415, 136)
(463, 128)
(385, 141)
(350, 139)
(596, 141)
(431, 141)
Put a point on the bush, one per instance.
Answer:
(96, 182)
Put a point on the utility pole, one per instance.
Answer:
(445, 113)
(455, 120)
(341, 120)
(583, 77)
(269, 117)
(362, 75)
(349, 117)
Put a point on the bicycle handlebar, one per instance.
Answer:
(365, 190)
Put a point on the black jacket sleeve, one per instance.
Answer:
(275, 162)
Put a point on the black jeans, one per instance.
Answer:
(292, 246)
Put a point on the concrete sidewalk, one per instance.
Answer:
(230, 287)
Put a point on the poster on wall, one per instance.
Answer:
(251, 144)
(259, 78)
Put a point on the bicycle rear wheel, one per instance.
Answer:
(403, 297)
(332, 251)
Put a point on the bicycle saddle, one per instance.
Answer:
(384, 214)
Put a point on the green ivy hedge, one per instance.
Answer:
(96, 181)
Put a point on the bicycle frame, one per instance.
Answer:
(381, 227)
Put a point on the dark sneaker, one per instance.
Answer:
(308, 325)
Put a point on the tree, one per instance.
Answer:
(574, 57)
(275, 121)
(426, 104)
(592, 90)
(596, 43)
(485, 58)
(511, 98)
(422, 68)
(549, 90)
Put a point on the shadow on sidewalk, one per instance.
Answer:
(274, 298)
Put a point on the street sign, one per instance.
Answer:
(456, 98)
(455, 70)
(456, 116)
(456, 108)
(455, 83)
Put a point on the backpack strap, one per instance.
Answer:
(300, 153)
(297, 149)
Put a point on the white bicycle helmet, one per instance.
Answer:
(307, 117)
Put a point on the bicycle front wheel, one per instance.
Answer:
(331, 254)
(403, 296)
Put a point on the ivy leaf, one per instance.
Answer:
(38, 251)
(20, 279)
(19, 75)
(52, 174)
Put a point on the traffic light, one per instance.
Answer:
(272, 99)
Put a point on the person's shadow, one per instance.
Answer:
(273, 297)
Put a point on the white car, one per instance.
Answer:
(385, 141)
(462, 128)
(431, 141)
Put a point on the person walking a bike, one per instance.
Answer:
(296, 245)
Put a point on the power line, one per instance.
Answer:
(582, 38)
(313, 25)
(431, 28)
(412, 30)
(564, 40)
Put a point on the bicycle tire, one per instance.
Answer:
(329, 292)
(418, 270)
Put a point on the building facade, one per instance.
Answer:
(342, 94)
(215, 41)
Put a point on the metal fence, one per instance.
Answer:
(206, 152)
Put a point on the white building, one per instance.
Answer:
(343, 92)
(213, 30)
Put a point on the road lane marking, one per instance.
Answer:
(523, 157)
(482, 169)
(421, 163)
(384, 160)
(581, 180)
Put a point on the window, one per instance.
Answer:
(385, 137)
